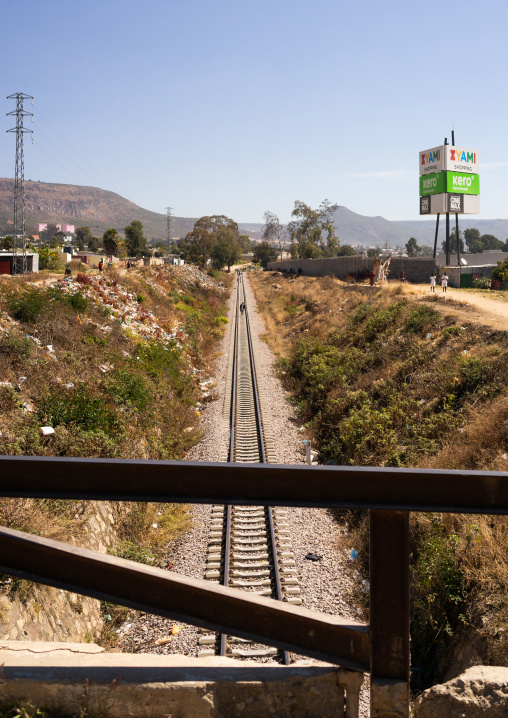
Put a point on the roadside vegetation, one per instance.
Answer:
(383, 378)
(113, 364)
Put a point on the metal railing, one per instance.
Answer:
(381, 648)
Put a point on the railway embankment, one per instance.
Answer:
(384, 376)
(100, 365)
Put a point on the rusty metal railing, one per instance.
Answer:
(381, 647)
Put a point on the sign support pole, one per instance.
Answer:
(435, 238)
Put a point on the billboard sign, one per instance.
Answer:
(450, 202)
(448, 158)
(449, 182)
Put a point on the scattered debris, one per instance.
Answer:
(313, 557)
(46, 431)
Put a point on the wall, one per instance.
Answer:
(42, 613)
(417, 269)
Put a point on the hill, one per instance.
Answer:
(101, 209)
(97, 208)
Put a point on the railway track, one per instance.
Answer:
(249, 546)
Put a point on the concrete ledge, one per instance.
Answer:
(78, 676)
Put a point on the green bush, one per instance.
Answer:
(14, 347)
(28, 307)
(501, 271)
(421, 319)
(80, 407)
(482, 283)
(439, 590)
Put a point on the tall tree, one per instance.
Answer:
(200, 242)
(110, 241)
(274, 231)
(314, 229)
(227, 249)
(83, 236)
(453, 242)
(473, 240)
(412, 247)
(135, 239)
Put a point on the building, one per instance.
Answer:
(7, 258)
(66, 228)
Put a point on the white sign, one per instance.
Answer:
(450, 159)
(446, 202)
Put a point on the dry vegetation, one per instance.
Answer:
(382, 378)
(108, 386)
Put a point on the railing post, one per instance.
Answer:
(389, 613)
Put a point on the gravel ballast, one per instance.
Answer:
(325, 584)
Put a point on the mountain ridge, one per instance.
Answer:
(100, 209)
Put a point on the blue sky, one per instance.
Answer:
(234, 107)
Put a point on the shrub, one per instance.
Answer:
(15, 347)
(78, 407)
(501, 271)
(29, 306)
(482, 283)
(421, 319)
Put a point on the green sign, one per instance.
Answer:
(454, 182)
(434, 183)
(462, 182)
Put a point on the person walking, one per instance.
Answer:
(432, 281)
(100, 266)
(444, 282)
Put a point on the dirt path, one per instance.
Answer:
(471, 306)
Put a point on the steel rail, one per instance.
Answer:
(271, 528)
(227, 540)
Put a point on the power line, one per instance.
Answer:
(19, 182)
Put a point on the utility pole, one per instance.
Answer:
(19, 183)
(169, 217)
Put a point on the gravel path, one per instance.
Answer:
(325, 584)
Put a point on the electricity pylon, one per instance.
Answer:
(19, 236)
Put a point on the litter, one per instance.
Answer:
(22, 379)
(313, 557)
(49, 347)
(163, 641)
(154, 526)
(354, 554)
(70, 385)
(429, 335)
(46, 431)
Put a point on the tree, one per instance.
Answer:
(453, 243)
(200, 242)
(135, 239)
(491, 242)
(346, 251)
(83, 236)
(473, 240)
(274, 231)
(412, 247)
(244, 242)
(427, 251)
(314, 227)
(46, 235)
(293, 250)
(264, 253)
(373, 252)
(227, 249)
(110, 241)
(8, 242)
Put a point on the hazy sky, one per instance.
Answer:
(234, 107)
